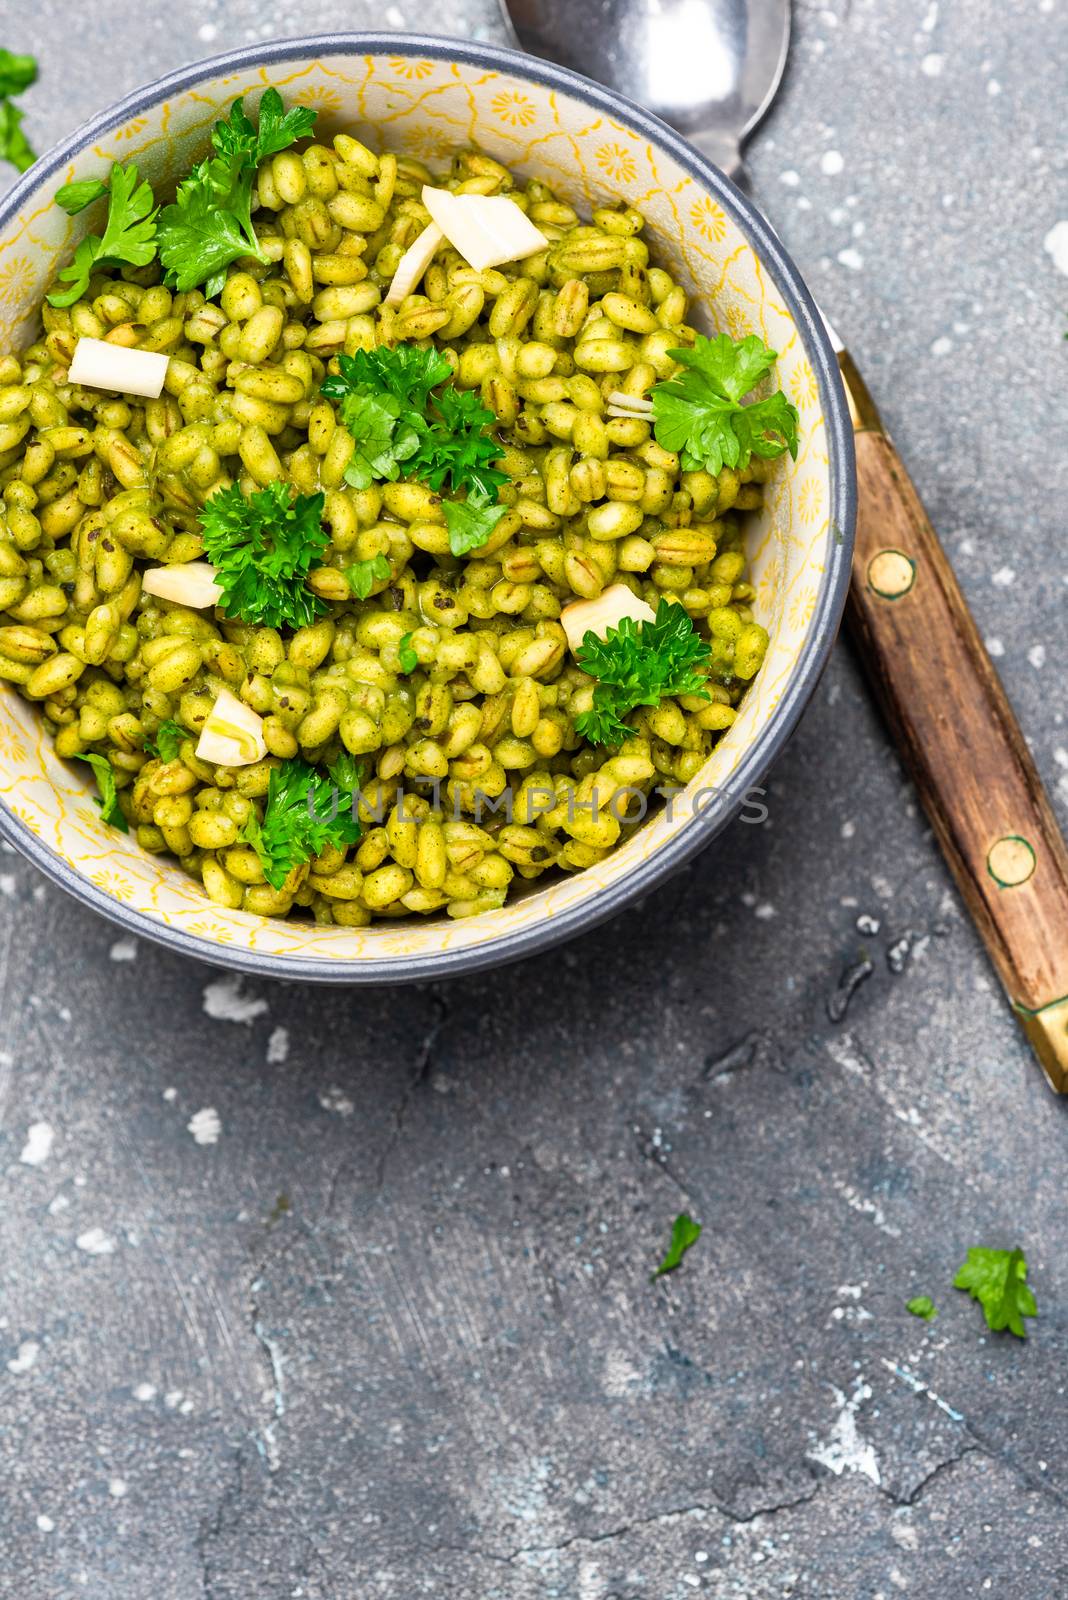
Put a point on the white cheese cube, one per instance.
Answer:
(606, 611)
(233, 734)
(100, 365)
(487, 229)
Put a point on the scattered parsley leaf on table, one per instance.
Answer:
(998, 1280)
(304, 814)
(470, 524)
(167, 741)
(16, 72)
(129, 237)
(700, 412)
(14, 145)
(684, 1233)
(922, 1306)
(363, 575)
(108, 801)
(263, 548)
(406, 655)
(639, 664)
(209, 223)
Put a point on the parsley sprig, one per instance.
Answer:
(16, 74)
(700, 412)
(129, 237)
(108, 800)
(639, 664)
(685, 1232)
(305, 813)
(263, 548)
(400, 427)
(998, 1280)
(167, 741)
(210, 222)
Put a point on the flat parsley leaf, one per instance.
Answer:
(167, 741)
(108, 801)
(700, 412)
(74, 197)
(263, 548)
(406, 655)
(304, 814)
(16, 72)
(470, 523)
(363, 575)
(639, 664)
(684, 1233)
(129, 237)
(210, 222)
(998, 1280)
(14, 145)
(922, 1306)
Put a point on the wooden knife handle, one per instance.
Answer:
(959, 738)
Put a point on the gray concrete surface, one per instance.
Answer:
(385, 1328)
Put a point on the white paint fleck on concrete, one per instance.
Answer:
(931, 65)
(994, 647)
(931, 19)
(170, 1095)
(278, 1046)
(993, 87)
(865, 1207)
(38, 1146)
(790, 178)
(116, 1488)
(851, 258)
(225, 1002)
(28, 1352)
(1004, 578)
(1056, 245)
(95, 1242)
(941, 346)
(917, 1385)
(7, 885)
(207, 31)
(172, 1398)
(335, 1099)
(845, 1449)
(45, 1524)
(145, 1392)
(1037, 656)
(205, 1125)
(58, 1204)
(832, 163)
(124, 950)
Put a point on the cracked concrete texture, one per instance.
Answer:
(389, 1331)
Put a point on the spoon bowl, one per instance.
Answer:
(708, 67)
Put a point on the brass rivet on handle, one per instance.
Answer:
(1011, 861)
(891, 573)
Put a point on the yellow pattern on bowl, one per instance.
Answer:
(428, 105)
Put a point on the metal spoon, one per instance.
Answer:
(711, 68)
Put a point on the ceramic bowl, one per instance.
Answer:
(426, 96)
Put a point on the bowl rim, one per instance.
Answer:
(755, 760)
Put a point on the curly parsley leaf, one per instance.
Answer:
(386, 400)
(74, 197)
(458, 449)
(14, 145)
(684, 1233)
(16, 72)
(304, 814)
(406, 655)
(363, 575)
(639, 664)
(129, 237)
(167, 741)
(998, 1280)
(210, 222)
(263, 548)
(108, 801)
(470, 524)
(700, 414)
(922, 1306)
